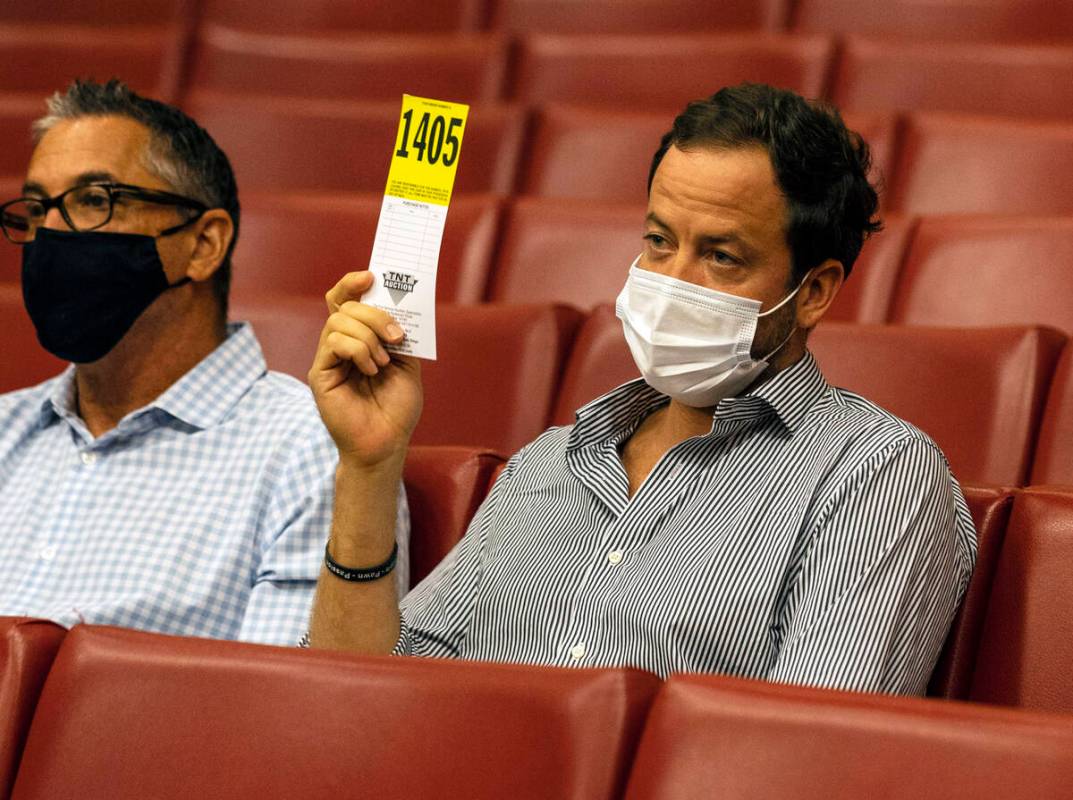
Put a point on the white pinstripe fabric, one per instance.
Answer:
(810, 537)
(204, 513)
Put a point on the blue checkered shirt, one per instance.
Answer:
(205, 513)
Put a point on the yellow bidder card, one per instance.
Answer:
(406, 249)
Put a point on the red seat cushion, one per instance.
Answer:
(1053, 461)
(130, 715)
(708, 736)
(1027, 643)
(444, 486)
(27, 648)
(358, 16)
(652, 16)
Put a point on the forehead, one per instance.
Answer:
(100, 144)
(706, 191)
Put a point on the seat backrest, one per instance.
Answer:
(566, 251)
(592, 154)
(881, 132)
(94, 12)
(307, 145)
(10, 254)
(867, 293)
(1022, 80)
(954, 164)
(40, 59)
(978, 271)
(1027, 643)
(708, 736)
(496, 374)
(664, 72)
(16, 144)
(444, 486)
(128, 715)
(359, 16)
(951, 21)
(24, 362)
(652, 16)
(978, 393)
(1053, 462)
(599, 361)
(460, 68)
(27, 647)
(990, 508)
(288, 329)
(302, 243)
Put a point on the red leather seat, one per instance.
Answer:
(288, 329)
(866, 296)
(972, 271)
(977, 392)
(24, 362)
(359, 16)
(10, 254)
(652, 16)
(130, 715)
(44, 58)
(16, 144)
(301, 244)
(664, 72)
(599, 361)
(459, 68)
(444, 486)
(1022, 80)
(494, 382)
(566, 251)
(951, 20)
(94, 12)
(1053, 461)
(708, 736)
(880, 131)
(990, 508)
(592, 154)
(952, 163)
(27, 647)
(301, 145)
(1027, 643)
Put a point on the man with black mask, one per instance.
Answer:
(166, 480)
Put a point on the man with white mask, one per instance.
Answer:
(730, 511)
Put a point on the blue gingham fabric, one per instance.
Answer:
(205, 513)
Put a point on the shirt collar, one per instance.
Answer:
(200, 398)
(789, 394)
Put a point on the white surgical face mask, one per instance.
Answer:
(691, 343)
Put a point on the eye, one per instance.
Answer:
(657, 241)
(91, 198)
(723, 258)
(34, 209)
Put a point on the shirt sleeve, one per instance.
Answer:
(870, 604)
(293, 534)
(436, 615)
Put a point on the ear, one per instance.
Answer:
(213, 233)
(818, 292)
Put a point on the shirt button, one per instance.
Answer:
(48, 553)
(88, 458)
(615, 556)
(577, 652)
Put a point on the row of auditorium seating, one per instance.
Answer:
(1017, 20)
(1010, 643)
(926, 163)
(638, 71)
(110, 713)
(997, 400)
(937, 270)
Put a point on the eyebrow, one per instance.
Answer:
(726, 238)
(86, 178)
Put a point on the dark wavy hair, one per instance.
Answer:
(180, 152)
(820, 165)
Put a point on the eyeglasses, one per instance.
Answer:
(84, 208)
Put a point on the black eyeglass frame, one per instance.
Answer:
(113, 189)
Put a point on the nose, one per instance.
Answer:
(54, 219)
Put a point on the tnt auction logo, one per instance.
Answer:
(398, 285)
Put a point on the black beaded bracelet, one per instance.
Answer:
(360, 575)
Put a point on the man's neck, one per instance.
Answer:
(141, 368)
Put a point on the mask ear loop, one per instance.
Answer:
(772, 310)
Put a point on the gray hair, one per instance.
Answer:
(180, 152)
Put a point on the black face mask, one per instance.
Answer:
(84, 291)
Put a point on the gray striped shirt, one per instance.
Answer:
(810, 537)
